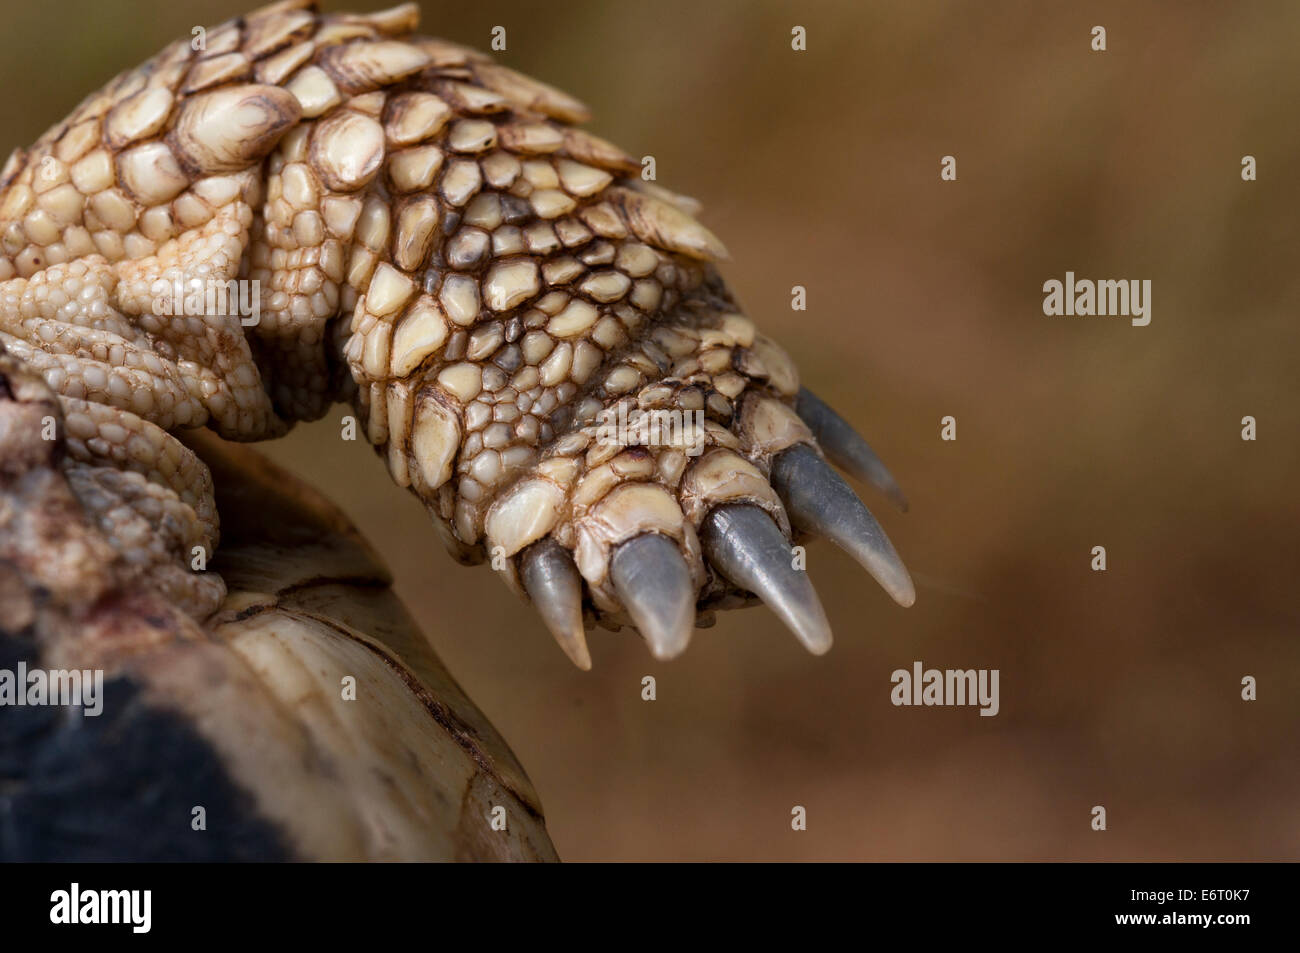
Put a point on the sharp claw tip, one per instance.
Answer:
(904, 591)
(579, 656)
(819, 647)
(666, 649)
(664, 654)
(574, 647)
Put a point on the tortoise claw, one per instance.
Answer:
(652, 581)
(818, 501)
(743, 543)
(845, 446)
(551, 580)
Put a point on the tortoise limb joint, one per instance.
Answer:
(434, 240)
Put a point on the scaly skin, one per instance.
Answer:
(434, 242)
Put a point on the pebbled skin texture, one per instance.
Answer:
(435, 241)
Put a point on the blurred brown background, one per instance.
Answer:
(822, 169)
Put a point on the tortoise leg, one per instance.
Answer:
(148, 494)
(307, 719)
(539, 342)
(131, 363)
(159, 532)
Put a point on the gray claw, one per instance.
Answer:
(743, 543)
(819, 501)
(651, 579)
(551, 580)
(845, 446)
